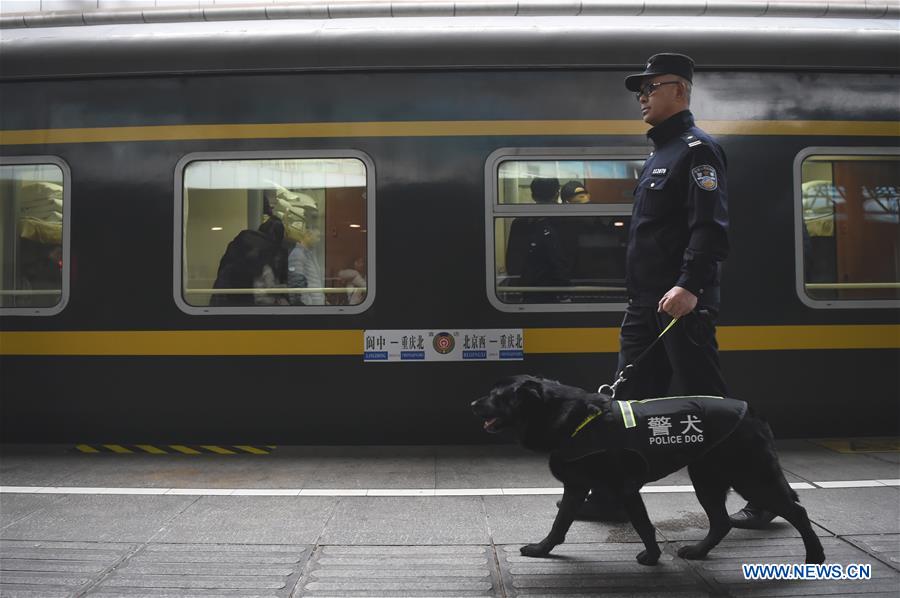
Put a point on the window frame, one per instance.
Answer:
(292, 310)
(66, 233)
(799, 281)
(494, 209)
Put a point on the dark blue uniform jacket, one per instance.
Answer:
(679, 225)
(666, 433)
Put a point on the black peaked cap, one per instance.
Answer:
(662, 64)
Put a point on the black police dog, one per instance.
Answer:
(544, 414)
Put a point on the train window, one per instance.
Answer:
(849, 237)
(558, 222)
(33, 241)
(276, 235)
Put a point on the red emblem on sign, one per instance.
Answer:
(443, 343)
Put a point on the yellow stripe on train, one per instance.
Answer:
(731, 338)
(350, 342)
(184, 342)
(435, 128)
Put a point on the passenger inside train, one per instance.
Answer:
(536, 249)
(355, 282)
(304, 268)
(254, 259)
(574, 192)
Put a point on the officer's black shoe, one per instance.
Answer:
(598, 510)
(751, 517)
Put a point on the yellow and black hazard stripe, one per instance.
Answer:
(176, 449)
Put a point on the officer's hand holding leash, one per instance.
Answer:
(678, 302)
(610, 391)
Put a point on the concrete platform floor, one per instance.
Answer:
(403, 521)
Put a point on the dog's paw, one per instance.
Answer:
(692, 552)
(535, 550)
(648, 558)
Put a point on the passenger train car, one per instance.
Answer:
(293, 224)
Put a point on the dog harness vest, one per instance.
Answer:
(667, 433)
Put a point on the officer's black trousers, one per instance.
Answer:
(688, 352)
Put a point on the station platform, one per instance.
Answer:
(405, 521)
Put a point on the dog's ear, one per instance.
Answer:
(530, 391)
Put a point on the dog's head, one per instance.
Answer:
(541, 412)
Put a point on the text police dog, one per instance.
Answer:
(597, 442)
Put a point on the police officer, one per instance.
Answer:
(677, 242)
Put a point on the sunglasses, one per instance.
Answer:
(649, 88)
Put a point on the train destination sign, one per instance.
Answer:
(505, 344)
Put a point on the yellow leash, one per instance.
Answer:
(623, 375)
(610, 391)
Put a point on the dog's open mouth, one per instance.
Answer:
(493, 425)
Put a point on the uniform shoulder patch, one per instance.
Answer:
(705, 177)
(691, 140)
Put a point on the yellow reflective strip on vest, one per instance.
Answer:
(627, 414)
